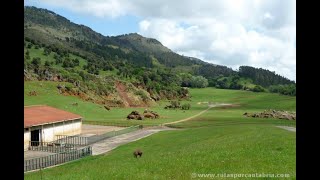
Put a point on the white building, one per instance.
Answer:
(43, 123)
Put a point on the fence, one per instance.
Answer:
(105, 123)
(75, 140)
(66, 143)
(54, 147)
(96, 138)
(55, 159)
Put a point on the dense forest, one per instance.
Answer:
(131, 57)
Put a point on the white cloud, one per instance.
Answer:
(97, 8)
(259, 33)
(268, 16)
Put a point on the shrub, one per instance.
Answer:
(258, 88)
(142, 94)
(68, 87)
(185, 106)
(175, 104)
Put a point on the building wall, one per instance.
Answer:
(26, 139)
(64, 128)
(49, 131)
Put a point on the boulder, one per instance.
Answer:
(135, 115)
(149, 115)
(140, 117)
(131, 116)
(273, 114)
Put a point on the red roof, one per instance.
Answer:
(38, 115)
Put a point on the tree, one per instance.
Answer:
(46, 51)
(76, 62)
(36, 62)
(199, 82)
(47, 64)
(27, 55)
(186, 79)
(68, 63)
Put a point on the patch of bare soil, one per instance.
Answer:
(122, 91)
(229, 106)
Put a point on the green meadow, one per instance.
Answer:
(94, 113)
(221, 140)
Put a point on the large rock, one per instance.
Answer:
(273, 114)
(131, 116)
(149, 115)
(140, 117)
(135, 115)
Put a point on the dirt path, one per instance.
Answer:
(209, 107)
(111, 143)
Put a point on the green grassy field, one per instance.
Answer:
(48, 95)
(221, 140)
(178, 154)
(247, 101)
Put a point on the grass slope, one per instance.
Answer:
(177, 154)
(48, 94)
(216, 142)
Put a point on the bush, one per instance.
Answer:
(258, 88)
(59, 60)
(68, 63)
(76, 62)
(185, 106)
(47, 63)
(68, 87)
(284, 89)
(36, 62)
(175, 104)
(142, 94)
(46, 51)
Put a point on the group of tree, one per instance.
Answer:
(288, 89)
(263, 77)
(187, 80)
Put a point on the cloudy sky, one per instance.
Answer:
(259, 33)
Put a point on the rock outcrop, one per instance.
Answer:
(273, 114)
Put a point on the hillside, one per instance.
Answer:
(57, 49)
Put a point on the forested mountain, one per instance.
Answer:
(77, 53)
(263, 77)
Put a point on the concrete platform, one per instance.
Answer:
(97, 129)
